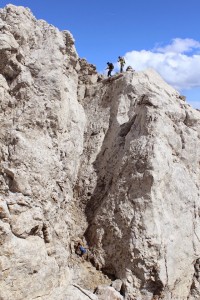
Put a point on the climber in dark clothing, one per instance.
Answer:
(81, 250)
(110, 68)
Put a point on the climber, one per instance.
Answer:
(121, 61)
(110, 68)
(80, 250)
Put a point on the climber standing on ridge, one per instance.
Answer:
(121, 61)
(110, 68)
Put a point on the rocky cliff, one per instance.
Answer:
(114, 163)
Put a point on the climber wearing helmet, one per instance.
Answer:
(109, 68)
(121, 61)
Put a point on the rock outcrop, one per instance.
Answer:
(112, 162)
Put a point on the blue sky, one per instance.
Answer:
(164, 35)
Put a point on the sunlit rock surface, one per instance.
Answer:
(113, 162)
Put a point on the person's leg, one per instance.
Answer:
(109, 73)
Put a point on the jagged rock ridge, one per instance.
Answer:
(113, 161)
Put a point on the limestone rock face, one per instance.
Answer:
(112, 162)
(41, 141)
(143, 185)
(108, 293)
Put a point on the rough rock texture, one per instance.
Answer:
(143, 208)
(114, 162)
(41, 136)
(108, 293)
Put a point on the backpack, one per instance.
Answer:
(122, 61)
(111, 66)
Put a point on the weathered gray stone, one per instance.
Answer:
(142, 173)
(129, 68)
(42, 126)
(107, 293)
(117, 285)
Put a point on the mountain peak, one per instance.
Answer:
(111, 164)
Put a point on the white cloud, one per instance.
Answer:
(179, 46)
(179, 69)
